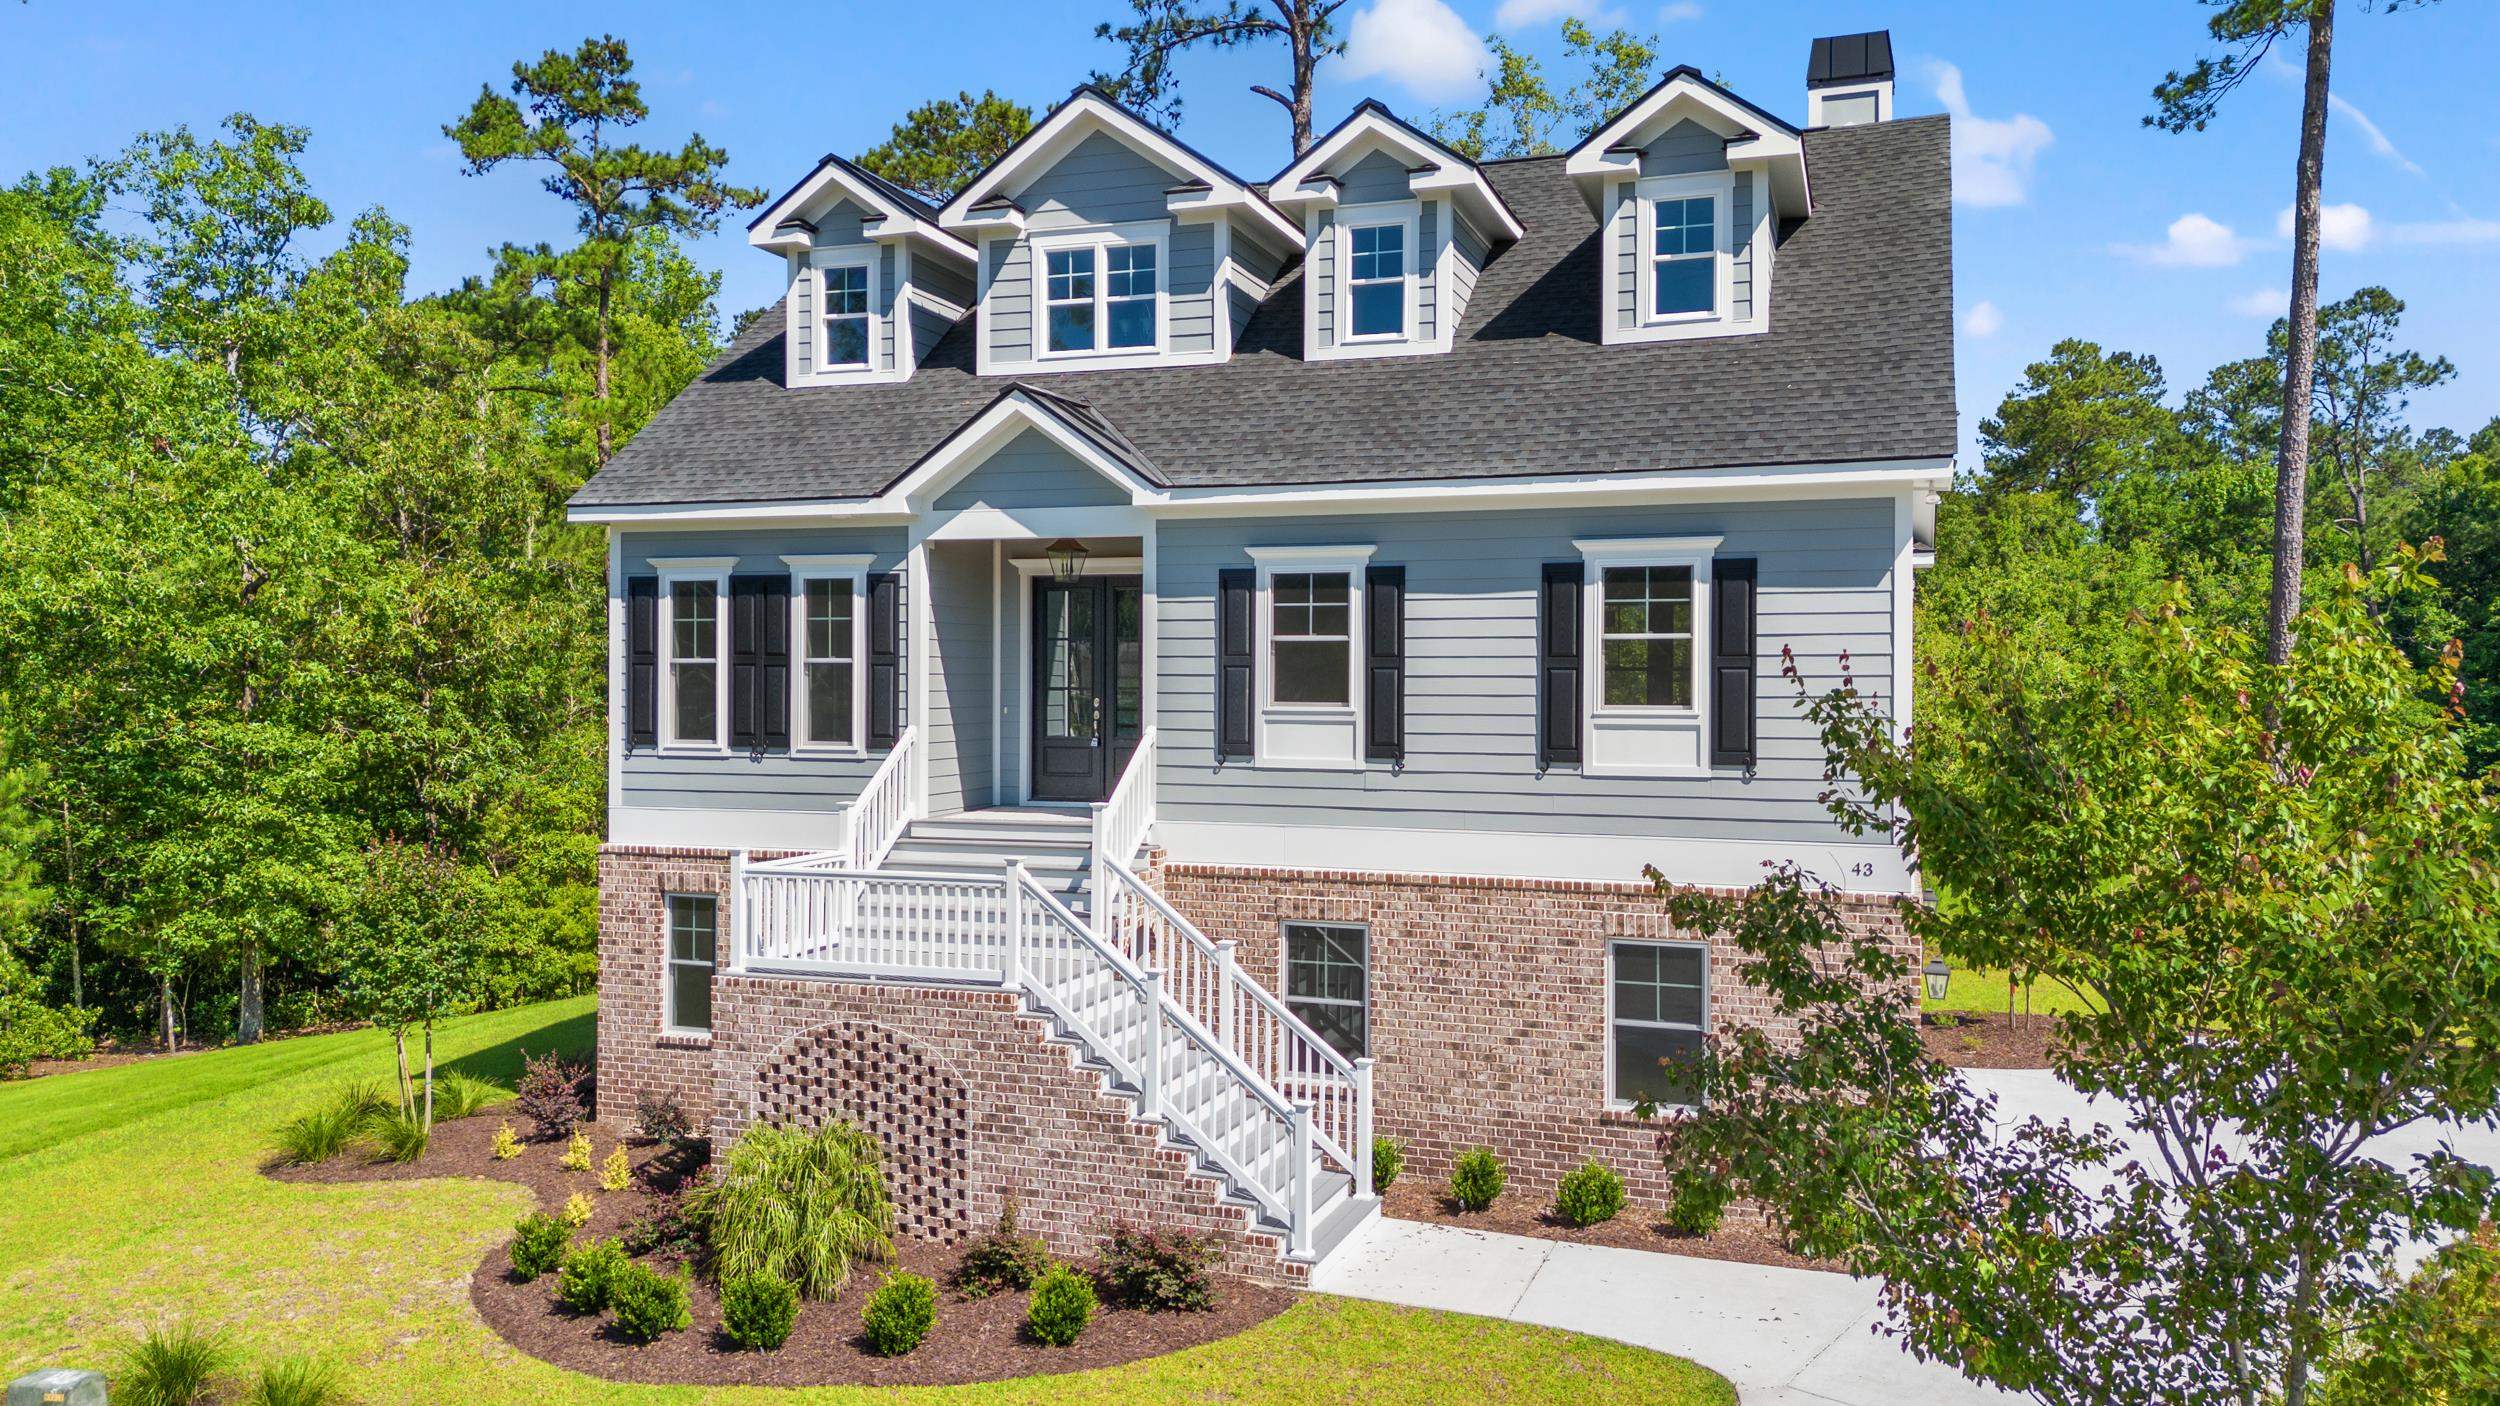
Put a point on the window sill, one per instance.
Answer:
(686, 1039)
(693, 749)
(828, 751)
(1621, 1110)
(1685, 330)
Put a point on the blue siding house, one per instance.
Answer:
(1254, 637)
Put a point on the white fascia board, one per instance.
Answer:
(1307, 182)
(897, 222)
(1754, 140)
(968, 448)
(1873, 479)
(774, 512)
(1079, 117)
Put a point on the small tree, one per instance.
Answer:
(408, 946)
(2279, 893)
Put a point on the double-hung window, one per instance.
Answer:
(845, 317)
(692, 952)
(1312, 636)
(1645, 630)
(829, 666)
(1658, 1012)
(694, 651)
(1684, 256)
(1328, 983)
(1102, 294)
(1376, 280)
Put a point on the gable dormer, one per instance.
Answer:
(874, 282)
(1105, 242)
(1690, 185)
(1396, 227)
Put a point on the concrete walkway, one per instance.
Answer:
(1785, 1337)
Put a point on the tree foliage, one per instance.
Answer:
(1159, 31)
(2277, 890)
(941, 145)
(1521, 115)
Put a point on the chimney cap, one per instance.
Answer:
(1851, 58)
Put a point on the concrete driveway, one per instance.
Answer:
(1785, 1337)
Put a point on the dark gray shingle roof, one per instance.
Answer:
(1858, 366)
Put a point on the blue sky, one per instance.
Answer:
(2075, 220)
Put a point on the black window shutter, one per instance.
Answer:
(642, 661)
(1561, 676)
(772, 665)
(1384, 648)
(746, 599)
(1732, 592)
(885, 658)
(1236, 696)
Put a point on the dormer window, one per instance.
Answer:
(1684, 236)
(1376, 279)
(1101, 293)
(844, 300)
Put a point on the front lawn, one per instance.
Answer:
(134, 1197)
(1983, 991)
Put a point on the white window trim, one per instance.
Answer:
(1350, 560)
(809, 266)
(1720, 186)
(866, 263)
(1407, 215)
(1613, 1083)
(669, 962)
(1284, 968)
(673, 570)
(1598, 715)
(1100, 238)
(853, 569)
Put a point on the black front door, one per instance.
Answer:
(1087, 699)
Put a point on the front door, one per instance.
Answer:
(1087, 675)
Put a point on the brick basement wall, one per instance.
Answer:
(1488, 1002)
(635, 1057)
(1038, 1127)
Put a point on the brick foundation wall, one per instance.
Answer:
(1037, 1126)
(635, 1056)
(1488, 1003)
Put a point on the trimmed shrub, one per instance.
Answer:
(665, 1230)
(662, 1119)
(2436, 1339)
(616, 1173)
(458, 1096)
(590, 1274)
(507, 1143)
(1589, 1195)
(173, 1366)
(758, 1310)
(1159, 1270)
(1003, 1260)
(577, 1153)
(1063, 1303)
(801, 1203)
(1388, 1159)
(1477, 1181)
(649, 1303)
(398, 1135)
(577, 1209)
(550, 1094)
(297, 1381)
(899, 1314)
(1696, 1206)
(325, 1131)
(539, 1241)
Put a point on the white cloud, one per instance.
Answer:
(2262, 302)
(1983, 319)
(1678, 11)
(2194, 241)
(2464, 229)
(1420, 45)
(2344, 228)
(2337, 102)
(1992, 156)
(1522, 14)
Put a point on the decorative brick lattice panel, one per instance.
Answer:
(887, 1084)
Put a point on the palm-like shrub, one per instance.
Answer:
(1063, 1303)
(588, 1280)
(297, 1381)
(459, 1096)
(1589, 1195)
(1477, 1179)
(802, 1204)
(325, 1131)
(899, 1314)
(758, 1310)
(649, 1303)
(173, 1366)
(398, 1135)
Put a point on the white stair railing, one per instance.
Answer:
(1121, 822)
(887, 805)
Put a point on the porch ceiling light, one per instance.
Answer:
(1067, 559)
(1939, 976)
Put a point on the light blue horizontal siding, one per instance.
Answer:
(1192, 277)
(1007, 314)
(1471, 678)
(1104, 181)
(1464, 267)
(1376, 177)
(1319, 280)
(1030, 471)
(959, 722)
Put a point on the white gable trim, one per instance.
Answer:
(993, 429)
(765, 232)
(1754, 137)
(1432, 170)
(1082, 115)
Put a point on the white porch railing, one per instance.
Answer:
(886, 805)
(1121, 822)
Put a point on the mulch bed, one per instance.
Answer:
(974, 1340)
(1635, 1228)
(1989, 1042)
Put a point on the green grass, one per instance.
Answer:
(137, 1200)
(1982, 991)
